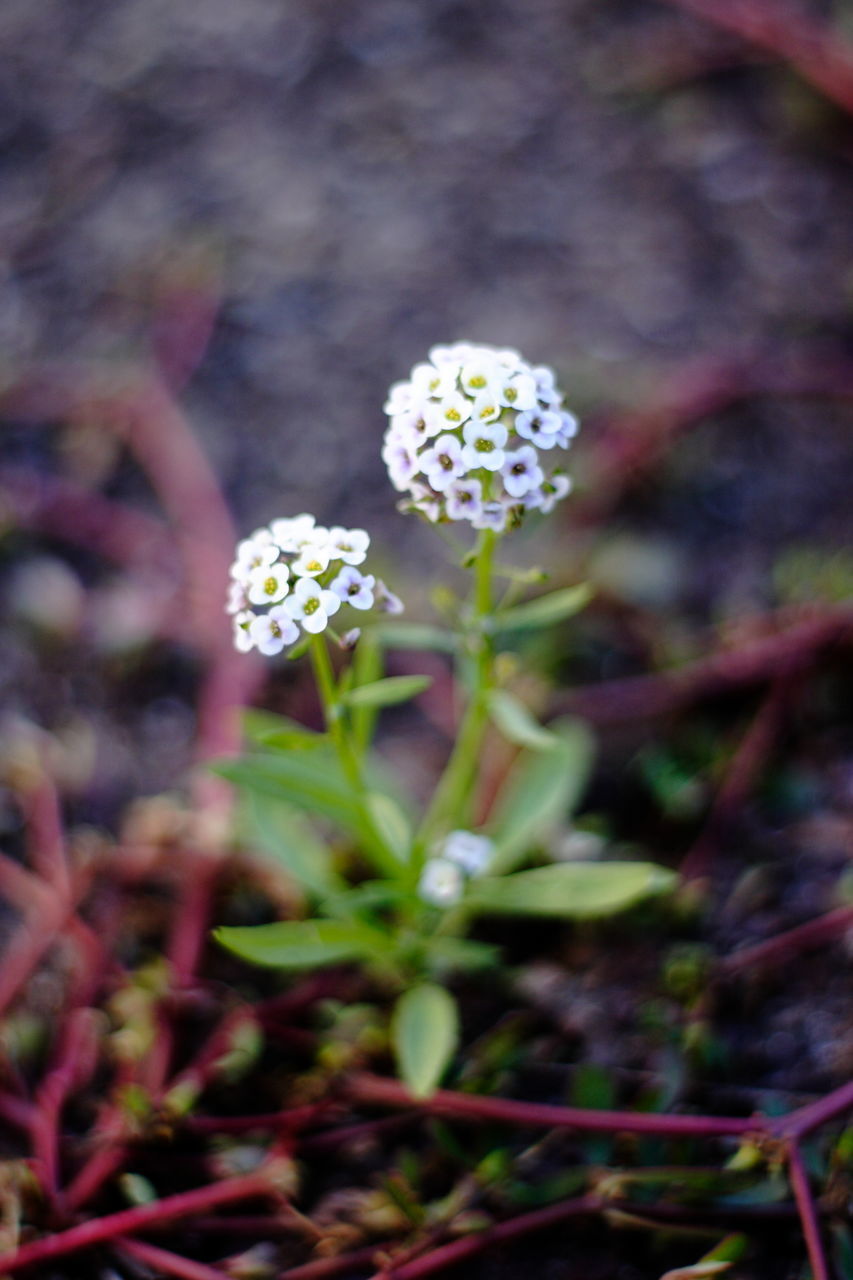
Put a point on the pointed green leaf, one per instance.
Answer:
(542, 790)
(277, 829)
(554, 607)
(572, 890)
(414, 635)
(280, 732)
(384, 693)
(302, 944)
(391, 823)
(517, 724)
(311, 782)
(424, 1032)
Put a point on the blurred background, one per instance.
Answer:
(283, 204)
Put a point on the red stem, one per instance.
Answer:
(447, 1255)
(139, 1218)
(784, 946)
(172, 1264)
(375, 1090)
(808, 1214)
(806, 1119)
(818, 54)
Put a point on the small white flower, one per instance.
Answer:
(312, 605)
(386, 601)
(354, 588)
(401, 461)
(464, 500)
(471, 852)
(268, 584)
(350, 638)
(423, 500)
(429, 380)
(273, 630)
(452, 410)
(400, 397)
(541, 426)
(521, 471)
(568, 429)
(441, 882)
(548, 494)
(349, 545)
(493, 515)
(312, 560)
(486, 407)
(237, 597)
(243, 640)
(254, 553)
(484, 444)
(290, 532)
(456, 354)
(443, 462)
(518, 391)
(479, 374)
(546, 388)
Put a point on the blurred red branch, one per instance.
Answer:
(808, 1214)
(821, 56)
(782, 947)
(170, 1264)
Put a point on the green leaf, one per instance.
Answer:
(383, 693)
(366, 668)
(517, 724)
(391, 823)
(311, 782)
(280, 732)
(279, 831)
(548, 609)
(542, 790)
(574, 890)
(714, 1263)
(424, 1032)
(302, 944)
(414, 635)
(449, 955)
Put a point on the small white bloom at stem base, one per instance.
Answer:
(312, 605)
(268, 584)
(441, 882)
(471, 852)
(273, 630)
(354, 588)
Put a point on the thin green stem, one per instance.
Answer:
(452, 800)
(385, 859)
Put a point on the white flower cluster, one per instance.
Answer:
(305, 572)
(461, 855)
(471, 436)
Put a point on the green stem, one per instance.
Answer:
(386, 860)
(452, 800)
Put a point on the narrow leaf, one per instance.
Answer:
(301, 944)
(548, 609)
(414, 635)
(517, 724)
(277, 829)
(391, 823)
(542, 790)
(384, 693)
(311, 782)
(280, 732)
(573, 890)
(424, 1032)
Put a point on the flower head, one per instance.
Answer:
(306, 573)
(471, 852)
(469, 436)
(441, 882)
